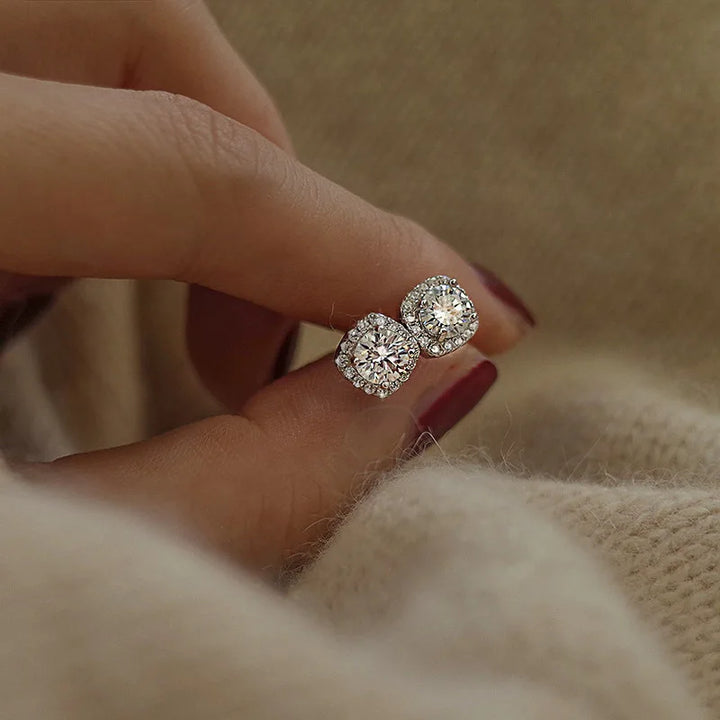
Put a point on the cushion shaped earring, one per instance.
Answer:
(377, 355)
(440, 315)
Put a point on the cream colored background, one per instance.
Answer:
(572, 147)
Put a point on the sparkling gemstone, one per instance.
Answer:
(445, 311)
(383, 355)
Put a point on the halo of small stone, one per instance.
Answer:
(429, 344)
(346, 348)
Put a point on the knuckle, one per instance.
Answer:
(206, 138)
(217, 158)
(189, 124)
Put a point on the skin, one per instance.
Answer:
(135, 143)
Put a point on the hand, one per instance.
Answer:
(134, 143)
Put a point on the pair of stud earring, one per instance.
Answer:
(379, 353)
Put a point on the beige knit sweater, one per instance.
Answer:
(560, 557)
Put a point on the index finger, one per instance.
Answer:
(111, 183)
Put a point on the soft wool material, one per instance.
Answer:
(559, 557)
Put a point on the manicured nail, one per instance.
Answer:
(454, 403)
(286, 354)
(18, 316)
(503, 293)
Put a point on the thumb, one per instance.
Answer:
(266, 485)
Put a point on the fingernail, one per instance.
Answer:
(503, 293)
(454, 403)
(286, 354)
(18, 316)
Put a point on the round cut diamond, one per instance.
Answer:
(383, 355)
(440, 315)
(445, 311)
(377, 355)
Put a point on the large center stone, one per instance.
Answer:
(444, 312)
(381, 355)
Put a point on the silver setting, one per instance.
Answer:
(377, 355)
(441, 316)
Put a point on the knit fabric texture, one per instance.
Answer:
(557, 556)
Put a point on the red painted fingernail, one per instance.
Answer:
(455, 403)
(286, 354)
(503, 293)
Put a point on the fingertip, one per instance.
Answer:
(505, 294)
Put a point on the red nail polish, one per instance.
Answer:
(455, 403)
(501, 291)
